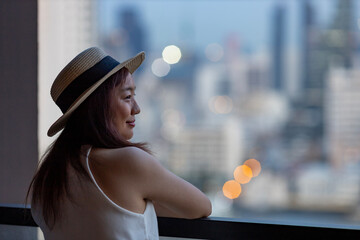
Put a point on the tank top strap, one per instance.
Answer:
(106, 196)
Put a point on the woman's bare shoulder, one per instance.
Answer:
(118, 157)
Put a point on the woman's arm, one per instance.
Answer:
(163, 211)
(172, 196)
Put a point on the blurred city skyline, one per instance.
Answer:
(200, 22)
(272, 80)
(262, 87)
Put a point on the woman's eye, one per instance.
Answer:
(130, 96)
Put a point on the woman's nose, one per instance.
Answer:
(135, 109)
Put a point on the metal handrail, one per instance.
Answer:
(212, 227)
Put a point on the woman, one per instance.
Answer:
(93, 183)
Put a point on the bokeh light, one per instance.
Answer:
(160, 68)
(231, 189)
(171, 54)
(243, 174)
(221, 104)
(214, 52)
(173, 116)
(254, 165)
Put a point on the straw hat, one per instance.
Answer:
(81, 77)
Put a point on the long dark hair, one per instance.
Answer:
(90, 124)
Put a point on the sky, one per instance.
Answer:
(200, 22)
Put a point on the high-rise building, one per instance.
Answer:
(325, 48)
(278, 63)
(341, 35)
(307, 37)
(343, 116)
(322, 50)
(127, 38)
(134, 30)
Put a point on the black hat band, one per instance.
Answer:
(84, 81)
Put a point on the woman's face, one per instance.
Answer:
(125, 107)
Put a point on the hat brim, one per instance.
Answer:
(131, 64)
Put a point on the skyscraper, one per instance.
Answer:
(322, 50)
(306, 28)
(129, 21)
(278, 48)
(341, 40)
(325, 48)
(343, 116)
(127, 38)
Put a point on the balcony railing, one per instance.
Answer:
(212, 228)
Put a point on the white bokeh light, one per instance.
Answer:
(160, 68)
(171, 54)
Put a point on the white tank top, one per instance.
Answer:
(93, 215)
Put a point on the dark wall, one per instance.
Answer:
(18, 97)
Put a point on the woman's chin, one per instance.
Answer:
(128, 136)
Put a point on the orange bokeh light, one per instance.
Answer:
(231, 189)
(254, 165)
(243, 174)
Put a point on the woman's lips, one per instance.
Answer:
(131, 123)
